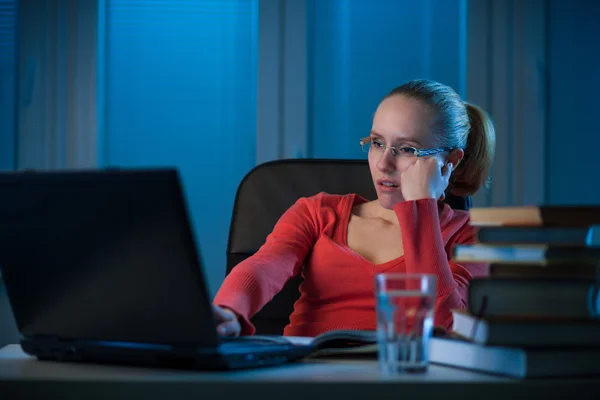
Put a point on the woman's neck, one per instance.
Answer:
(376, 211)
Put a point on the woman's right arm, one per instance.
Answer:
(252, 283)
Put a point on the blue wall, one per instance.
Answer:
(8, 20)
(180, 90)
(180, 86)
(573, 154)
(361, 49)
(178, 80)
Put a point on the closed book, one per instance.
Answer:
(526, 332)
(534, 298)
(536, 215)
(588, 236)
(555, 270)
(515, 362)
(525, 254)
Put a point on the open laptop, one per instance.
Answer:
(101, 266)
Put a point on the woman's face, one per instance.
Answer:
(399, 122)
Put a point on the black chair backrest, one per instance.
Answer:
(267, 191)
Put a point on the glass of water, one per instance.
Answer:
(405, 305)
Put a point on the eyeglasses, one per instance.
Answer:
(367, 143)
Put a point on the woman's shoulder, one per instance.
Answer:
(329, 200)
(325, 206)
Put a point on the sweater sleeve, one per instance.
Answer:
(254, 281)
(424, 252)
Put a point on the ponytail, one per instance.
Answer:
(473, 171)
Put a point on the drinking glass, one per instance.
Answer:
(405, 306)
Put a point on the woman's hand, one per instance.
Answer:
(426, 178)
(227, 321)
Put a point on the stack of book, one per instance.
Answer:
(537, 314)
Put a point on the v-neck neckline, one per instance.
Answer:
(346, 214)
(345, 220)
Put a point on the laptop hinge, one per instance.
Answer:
(47, 340)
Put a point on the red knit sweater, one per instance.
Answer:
(338, 287)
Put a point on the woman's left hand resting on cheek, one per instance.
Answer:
(426, 178)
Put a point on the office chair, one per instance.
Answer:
(267, 191)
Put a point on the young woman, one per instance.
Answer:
(424, 141)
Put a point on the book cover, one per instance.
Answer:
(534, 298)
(536, 215)
(516, 362)
(526, 332)
(556, 270)
(557, 236)
(525, 254)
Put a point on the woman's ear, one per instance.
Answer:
(455, 157)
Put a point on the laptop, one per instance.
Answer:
(102, 266)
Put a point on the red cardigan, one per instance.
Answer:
(338, 287)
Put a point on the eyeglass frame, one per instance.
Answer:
(396, 151)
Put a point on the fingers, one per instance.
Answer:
(229, 328)
(431, 163)
(227, 322)
(426, 178)
(223, 314)
(447, 171)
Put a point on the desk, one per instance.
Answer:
(24, 377)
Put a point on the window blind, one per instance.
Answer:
(8, 21)
(180, 90)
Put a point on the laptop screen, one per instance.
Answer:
(103, 255)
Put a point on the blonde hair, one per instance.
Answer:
(457, 125)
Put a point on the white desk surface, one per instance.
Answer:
(23, 376)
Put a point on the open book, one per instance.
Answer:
(344, 342)
(332, 343)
